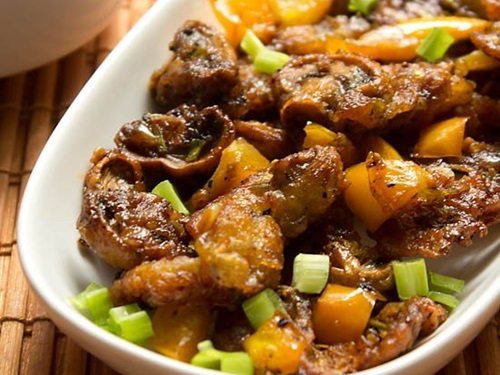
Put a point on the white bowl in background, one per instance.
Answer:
(34, 32)
(117, 93)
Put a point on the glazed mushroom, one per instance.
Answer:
(183, 142)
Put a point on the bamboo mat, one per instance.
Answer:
(30, 106)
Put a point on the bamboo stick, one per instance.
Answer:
(488, 350)
(11, 340)
(74, 360)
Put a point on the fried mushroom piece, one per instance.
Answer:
(182, 142)
(306, 39)
(388, 12)
(252, 97)
(272, 142)
(354, 94)
(113, 170)
(203, 68)
(399, 326)
(125, 228)
(450, 213)
(489, 41)
(352, 263)
(122, 223)
(239, 236)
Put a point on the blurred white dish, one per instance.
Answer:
(118, 93)
(34, 32)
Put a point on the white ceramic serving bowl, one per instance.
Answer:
(46, 229)
(34, 32)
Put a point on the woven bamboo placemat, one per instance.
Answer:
(30, 106)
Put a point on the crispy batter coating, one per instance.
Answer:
(239, 236)
(400, 325)
(452, 212)
(203, 67)
(354, 94)
(127, 228)
(252, 97)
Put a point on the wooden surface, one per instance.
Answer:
(30, 106)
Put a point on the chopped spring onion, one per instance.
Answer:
(130, 323)
(435, 45)
(447, 300)
(362, 6)
(209, 358)
(204, 345)
(228, 362)
(195, 150)
(262, 307)
(94, 303)
(310, 272)
(264, 60)
(237, 363)
(268, 61)
(251, 44)
(166, 190)
(411, 278)
(445, 284)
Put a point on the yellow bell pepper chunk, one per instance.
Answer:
(238, 161)
(300, 12)
(321, 136)
(178, 330)
(381, 147)
(341, 314)
(394, 183)
(277, 345)
(360, 199)
(238, 15)
(317, 135)
(443, 139)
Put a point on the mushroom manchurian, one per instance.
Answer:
(276, 155)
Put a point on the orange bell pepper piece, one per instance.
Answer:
(400, 42)
(360, 199)
(460, 28)
(238, 161)
(238, 15)
(178, 330)
(394, 183)
(381, 147)
(442, 139)
(300, 12)
(341, 314)
(277, 345)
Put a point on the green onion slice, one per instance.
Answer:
(251, 44)
(268, 61)
(445, 284)
(411, 278)
(447, 300)
(435, 45)
(362, 6)
(208, 358)
(130, 323)
(237, 363)
(195, 150)
(262, 307)
(205, 345)
(94, 303)
(167, 191)
(310, 272)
